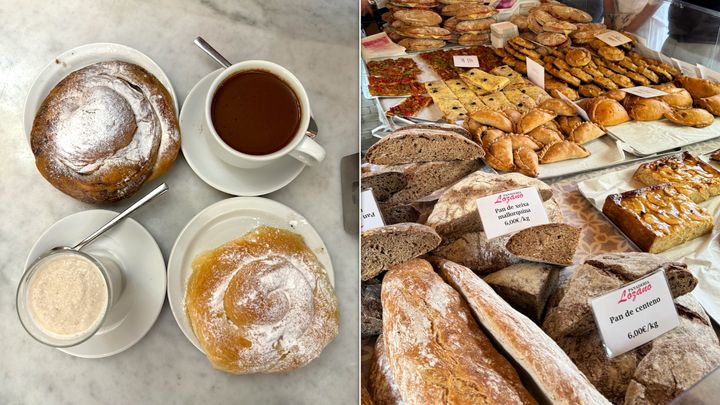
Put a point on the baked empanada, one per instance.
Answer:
(533, 119)
(526, 161)
(692, 117)
(563, 150)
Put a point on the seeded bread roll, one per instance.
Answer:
(383, 247)
(437, 353)
(549, 243)
(417, 145)
(525, 286)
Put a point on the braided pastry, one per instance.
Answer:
(104, 130)
(261, 303)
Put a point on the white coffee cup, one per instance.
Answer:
(300, 147)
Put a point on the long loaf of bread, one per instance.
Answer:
(437, 353)
(552, 370)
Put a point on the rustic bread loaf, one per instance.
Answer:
(365, 398)
(602, 273)
(437, 353)
(386, 246)
(371, 309)
(424, 178)
(549, 243)
(525, 286)
(382, 384)
(416, 145)
(550, 368)
(397, 214)
(456, 211)
(384, 182)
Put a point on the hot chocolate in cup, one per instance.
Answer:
(257, 112)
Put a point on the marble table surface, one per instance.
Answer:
(315, 39)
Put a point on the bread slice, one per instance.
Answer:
(436, 351)
(383, 247)
(657, 218)
(383, 183)
(424, 178)
(398, 214)
(525, 286)
(602, 273)
(549, 243)
(456, 211)
(422, 145)
(551, 369)
(688, 174)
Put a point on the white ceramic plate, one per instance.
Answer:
(213, 171)
(77, 58)
(223, 222)
(136, 252)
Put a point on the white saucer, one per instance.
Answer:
(77, 58)
(136, 252)
(220, 223)
(213, 171)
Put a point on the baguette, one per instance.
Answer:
(555, 374)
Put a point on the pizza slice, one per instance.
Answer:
(410, 106)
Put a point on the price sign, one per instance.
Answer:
(369, 211)
(582, 113)
(613, 38)
(535, 72)
(466, 61)
(511, 211)
(687, 69)
(707, 73)
(644, 92)
(635, 314)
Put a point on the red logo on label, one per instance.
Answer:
(630, 296)
(506, 198)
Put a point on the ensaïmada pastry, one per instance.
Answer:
(262, 303)
(657, 218)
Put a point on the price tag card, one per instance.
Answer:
(635, 314)
(687, 69)
(613, 38)
(535, 72)
(582, 113)
(644, 92)
(466, 61)
(707, 73)
(511, 211)
(369, 211)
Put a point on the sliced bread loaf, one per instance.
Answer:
(383, 183)
(525, 286)
(549, 243)
(456, 211)
(397, 214)
(417, 145)
(424, 178)
(386, 246)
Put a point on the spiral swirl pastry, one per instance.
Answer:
(104, 130)
(261, 303)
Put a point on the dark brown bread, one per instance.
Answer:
(397, 214)
(437, 353)
(549, 243)
(424, 178)
(550, 368)
(417, 145)
(382, 385)
(525, 286)
(371, 309)
(384, 183)
(386, 246)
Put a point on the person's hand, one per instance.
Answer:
(365, 7)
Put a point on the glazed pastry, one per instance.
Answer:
(577, 57)
(523, 141)
(495, 119)
(712, 104)
(533, 119)
(563, 150)
(567, 124)
(425, 32)
(618, 95)
(699, 88)
(605, 111)
(545, 136)
(551, 38)
(475, 12)
(611, 53)
(689, 175)
(104, 131)
(418, 44)
(474, 26)
(590, 90)
(681, 99)
(418, 17)
(526, 161)
(499, 154)
(474, 39)
(559, 107)
(645, 109)
(693, 117)
(261, 303)
(585, 132)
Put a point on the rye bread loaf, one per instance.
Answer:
(417, 145)
(424, 178)
(602, 273)
(437, 353)
(381, 384)
(371, 309)
(548, 243)
(550, 368)
(525, 286)
(483, 256)
(456, 211)
(383, 247)
(438, 125)
(397, 214)
(384, 183)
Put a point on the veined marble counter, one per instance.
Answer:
(317, 40)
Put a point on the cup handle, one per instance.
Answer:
(308, 152)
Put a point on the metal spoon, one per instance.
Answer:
(312, 130)
(161, 189)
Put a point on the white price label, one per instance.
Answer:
(582, 113)
(635, 314)
(707, 73)
(687, 69)
(535, 72)
(511, 211)
(466, 61)
(369, 211)
(644, 92)
(613, 38)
